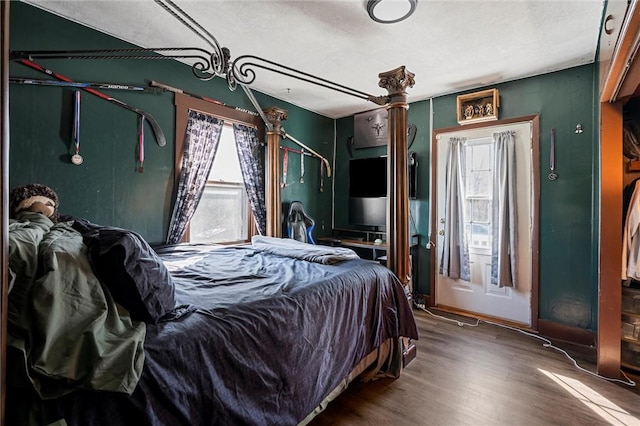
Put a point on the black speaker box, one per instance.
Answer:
(413, 175)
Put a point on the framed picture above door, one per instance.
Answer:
(478, 107)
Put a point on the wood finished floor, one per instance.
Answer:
(486, 375)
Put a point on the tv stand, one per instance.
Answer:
(369, 244)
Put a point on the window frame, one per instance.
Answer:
(250, 220)
(183, 103)
(484, 141)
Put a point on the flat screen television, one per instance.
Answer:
(368, 189)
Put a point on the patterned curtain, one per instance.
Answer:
(200, 145)
(504, 220)
(454, 261)
(252, 166)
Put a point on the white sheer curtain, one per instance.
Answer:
(454, 261)
(504, 218)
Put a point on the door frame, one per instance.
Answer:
(535, 203)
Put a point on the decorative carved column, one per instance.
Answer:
(398, 239)
(274, 205)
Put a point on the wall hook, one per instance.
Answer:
(608, 29)
(578, 128)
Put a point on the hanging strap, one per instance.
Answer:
(141, 145)
(302, 166)
(76, 158)
(552, 156)
(324, 160)
(285, 162)
(76, 122)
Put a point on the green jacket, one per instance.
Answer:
(63, 320)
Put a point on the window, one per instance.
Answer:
(478, 192)
(223, 213)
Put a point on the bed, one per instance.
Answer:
(262, 333)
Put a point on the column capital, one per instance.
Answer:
(396, 81)
(275, 116)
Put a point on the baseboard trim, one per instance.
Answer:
(567, 333)
(485, 318)
(545, 328)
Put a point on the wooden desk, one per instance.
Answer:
(356, 244)
(362, 242)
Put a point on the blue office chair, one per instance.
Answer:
(299, 224)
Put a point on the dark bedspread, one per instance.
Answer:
(257, 339)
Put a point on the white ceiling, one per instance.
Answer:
(450, 45)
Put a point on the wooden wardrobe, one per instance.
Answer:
(619, 84)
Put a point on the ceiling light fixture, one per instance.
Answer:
(390, 11)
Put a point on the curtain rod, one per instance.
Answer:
(168, 88)
(229, 121)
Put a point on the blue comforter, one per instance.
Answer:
(257, 338)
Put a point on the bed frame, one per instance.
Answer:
(395, 82)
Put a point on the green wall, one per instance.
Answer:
(317, 133)
(568, 275)
(106, 188)
(417, 114)
(568, 206)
